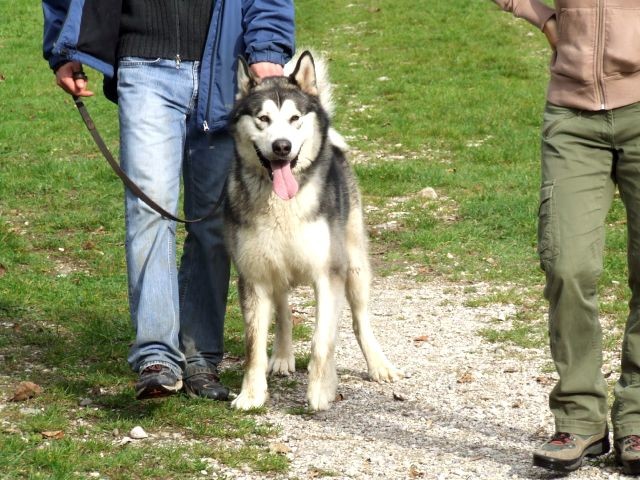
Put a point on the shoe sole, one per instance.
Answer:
(192, 394)
(600, 447)
(158, 391)
(631, 467)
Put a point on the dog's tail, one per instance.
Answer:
(325, 91)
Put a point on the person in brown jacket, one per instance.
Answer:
(590, 145)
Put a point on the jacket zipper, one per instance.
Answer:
(205, 123)
(176, 6)
(600, 53)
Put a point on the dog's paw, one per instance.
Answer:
(385, 372)
(319, 398)
(282, 365)
(322, 387)
(248, 401)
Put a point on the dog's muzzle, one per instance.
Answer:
(266, 163)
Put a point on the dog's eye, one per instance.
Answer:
(294, 119)
(264, 118)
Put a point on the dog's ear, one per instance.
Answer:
(304, 75)
(246, 79)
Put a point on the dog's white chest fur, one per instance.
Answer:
(282, 245)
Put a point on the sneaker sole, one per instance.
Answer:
(631, 467)
(158, 391)
(596, 449)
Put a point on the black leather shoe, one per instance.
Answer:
(206, 385)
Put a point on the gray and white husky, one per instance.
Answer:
(293, 216)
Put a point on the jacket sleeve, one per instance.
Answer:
(533, 11)
(55, 12)
(269, 30)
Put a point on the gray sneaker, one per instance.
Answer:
(157, 381)
(564, 451)
(628, 454)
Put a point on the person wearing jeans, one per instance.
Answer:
(590, 145)
(170, 65)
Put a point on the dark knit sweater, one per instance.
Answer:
(174, 29)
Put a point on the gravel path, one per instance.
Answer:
(469, 409)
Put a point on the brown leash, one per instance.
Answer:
(135, 189)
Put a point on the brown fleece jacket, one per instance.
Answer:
(596, 63)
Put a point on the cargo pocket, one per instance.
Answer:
(546, 221)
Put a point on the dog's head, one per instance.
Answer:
(279, 123)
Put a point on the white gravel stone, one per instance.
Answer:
(138, 433)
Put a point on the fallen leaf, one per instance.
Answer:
(544, 380)
(296, 319)
(3, 270)
(420, 340)
(53, 434)
(339, 397)
(25, 391)
(279, 448)
(466, 377)
(415, 473)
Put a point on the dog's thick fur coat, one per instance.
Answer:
(293, 216)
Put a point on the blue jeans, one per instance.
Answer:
(178, 316)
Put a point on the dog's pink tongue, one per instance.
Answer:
(284, 183)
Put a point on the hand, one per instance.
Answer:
(267, 69)
(73, 86)
(550, 29)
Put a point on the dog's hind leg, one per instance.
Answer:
(257, 308)
(357, 291)
(282, 361)
(323, 378)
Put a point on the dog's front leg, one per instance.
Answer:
(257, 308)
(323, 379)
(282, 361)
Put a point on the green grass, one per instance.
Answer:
(451, 100)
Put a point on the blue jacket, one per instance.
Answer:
(261, 30)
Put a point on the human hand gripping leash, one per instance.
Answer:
(135, 189)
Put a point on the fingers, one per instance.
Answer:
(72, 79)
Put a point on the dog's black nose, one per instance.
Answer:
(281, 147)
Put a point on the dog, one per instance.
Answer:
(293, 216)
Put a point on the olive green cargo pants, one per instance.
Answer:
(584, 156)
